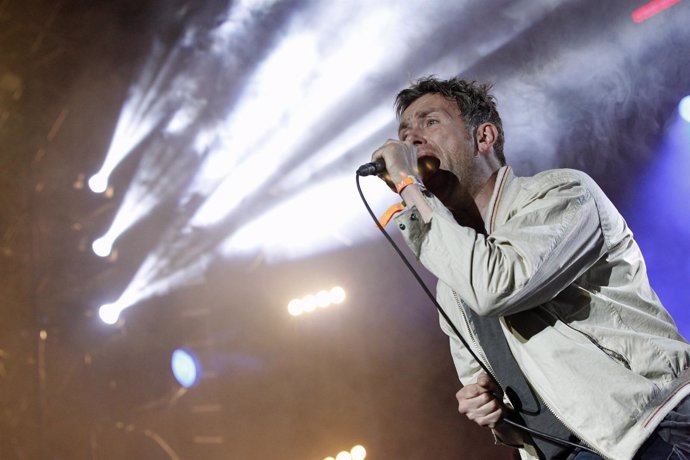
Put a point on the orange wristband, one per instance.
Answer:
(409, 180)
(390, 212)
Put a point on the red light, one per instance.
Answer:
(652, 8)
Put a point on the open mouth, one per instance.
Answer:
(427, 165)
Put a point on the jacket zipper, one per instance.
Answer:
(555, 414)
(477, 348)
(612, 354)
(488, 366)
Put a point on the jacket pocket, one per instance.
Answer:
(612, 354)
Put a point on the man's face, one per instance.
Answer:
(434, 125)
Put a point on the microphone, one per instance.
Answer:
(369, 169)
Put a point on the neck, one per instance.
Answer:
(483, 195)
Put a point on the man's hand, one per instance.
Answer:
(401, 161)
(476, 402)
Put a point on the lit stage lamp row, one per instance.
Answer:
(312, 302)
(356, 453)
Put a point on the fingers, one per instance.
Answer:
(400, 158)
(488, 416)
(483, 409)
(478, 404)
(484, 384)
(470, 391)
(379, 153)
(472, 400)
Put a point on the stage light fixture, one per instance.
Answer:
(98, 183)
(358, 452)
(186, 367)
(308, 303)
(311, 302)
(323, 299)
(337, 295)
(684, 108)
(135, 206)
(295, 307)
(102, 246)
(109, 313)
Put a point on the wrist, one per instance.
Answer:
(407, 181)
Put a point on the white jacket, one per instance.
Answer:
(562, 271)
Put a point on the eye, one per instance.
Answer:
(431, 122)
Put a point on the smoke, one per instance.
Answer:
(270, 99)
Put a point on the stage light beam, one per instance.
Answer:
(264, 131)
(309, 222)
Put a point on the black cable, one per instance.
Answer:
(456, 332)
(421, 283)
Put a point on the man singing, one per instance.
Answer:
(545, 283)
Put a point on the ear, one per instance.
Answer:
(486, 136)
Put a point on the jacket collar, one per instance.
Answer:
(504, 176)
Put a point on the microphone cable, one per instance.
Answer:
(442, 312)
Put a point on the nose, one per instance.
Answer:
(415, 136)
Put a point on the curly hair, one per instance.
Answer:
(476, 105)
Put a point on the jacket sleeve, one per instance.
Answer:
(551, 237)
(467, 367)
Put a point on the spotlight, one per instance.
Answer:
(684, 108)
(186, 367)
(109, 313)
(309, 303)
(98, 183)
(295, 307)
(102, 247)
(358, 452)
(337, 295)
(323, 299)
